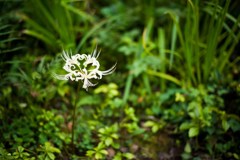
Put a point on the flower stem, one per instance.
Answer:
(74, 117)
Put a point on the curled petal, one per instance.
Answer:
(96, 63)
(93, 62)
(68, 67)
(83, 56)
(98, 74)
(74, 59)
(71, 77)
(89, 60)
(93, 74)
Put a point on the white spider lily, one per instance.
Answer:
(83, 67)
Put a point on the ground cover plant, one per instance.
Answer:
(119, 79)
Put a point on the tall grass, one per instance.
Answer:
(206, 41)
(56, 23)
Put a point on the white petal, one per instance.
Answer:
(97, 74)
(96, 63)
(93, 74)
(79, 78)
(87, 84)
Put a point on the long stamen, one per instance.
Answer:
(95, 53)
(60, 77)
(109, 71)
(65, 56)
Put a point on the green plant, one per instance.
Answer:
(20, 153)
(108, 135)
(99, 152)
(47, 151)
(56, 23)
(206, 40)
(49, 128)
(155, 126)
(120, 156)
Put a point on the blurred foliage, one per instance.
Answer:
(174, 95)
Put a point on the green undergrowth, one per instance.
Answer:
(175, 93)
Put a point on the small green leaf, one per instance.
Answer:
(149, 123)
(51, 156)
(194, 131)
(118, 156)
(20, 149)
(115, 136)
(103, 151)
(187, 148)
(185, 125)
(129, 155)
(90, 153)
(116, 145)
(63, 90)
(155, 128)
(225, 125)
(36, 75)
(108, 141)
(101, 130)
(236, 156)
(98, 156)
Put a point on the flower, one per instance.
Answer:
(83, 67)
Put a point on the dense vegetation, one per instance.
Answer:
(175, 93)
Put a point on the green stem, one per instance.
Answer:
(74, 116)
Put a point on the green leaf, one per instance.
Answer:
(234, 124)
(225, 125)
(51, 156)
(129, 155)
(155, 128)
(185, 126)
(116, 145)
(63, 90)
(149, 123)
(39, 36)
(103, 151)
(90, 153)
(118, 156)
(187, 148)
(194, 131)
(236, 156)
(108, 141)
(20, 149)
(98, 156)
(114, 135)
(164, 76)
(50, 148)
(77, 11)
(101, 130)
